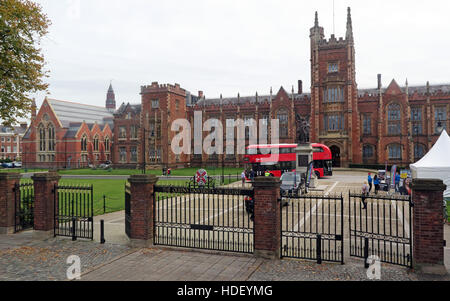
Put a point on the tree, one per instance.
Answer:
(22, 27)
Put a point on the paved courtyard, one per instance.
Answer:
(22, 258)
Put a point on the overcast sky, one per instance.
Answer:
(231, 46)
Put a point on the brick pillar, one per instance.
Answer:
(44, 203)
(141, 210)
(7, 205)
(428, 227)
(267, 217)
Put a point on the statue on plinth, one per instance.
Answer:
(303, 129)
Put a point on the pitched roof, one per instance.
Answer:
(420, 89)
(70, 112)
(244, 99)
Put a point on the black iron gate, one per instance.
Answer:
(74, 211)
(312, 227)
(381, 226)
(203, 218)
(24, 206)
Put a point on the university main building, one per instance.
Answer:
(393, 124)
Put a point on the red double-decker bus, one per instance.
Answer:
(260, 159)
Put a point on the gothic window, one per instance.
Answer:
(51, 138)
(283, 118)
(368, 151)
(440, 118)
(155, 104)
(84, 143)
(416, 119)
(333, 67)
(41, 137)
(96, 143)
(367, 125)
(333, 122)
(107, 144)
(247, 125)
(395, 151)
(333, 94)
(394, 119)
(419, 151)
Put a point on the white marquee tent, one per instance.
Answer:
(436, 163)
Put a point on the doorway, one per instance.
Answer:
(336, 153)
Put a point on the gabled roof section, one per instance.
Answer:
(69, 112)
(136, 108)
(393, 88)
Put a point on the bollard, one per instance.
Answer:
(74, 233)
(366, 252)
(319, 249)
(104, 204)
(102, 231)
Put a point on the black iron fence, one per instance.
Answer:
(203, 218)
(74, 211)
(312, 227)
(24, 206)
(381, 225)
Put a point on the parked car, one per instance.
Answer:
(17, 164)
(289, 186)
(8, 165)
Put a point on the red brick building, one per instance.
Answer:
(68, 135)
(11, 142)
(393, 125)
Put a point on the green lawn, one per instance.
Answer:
(113, 190)
(21, 170)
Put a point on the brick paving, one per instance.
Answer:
(23, 259)
(176, 265)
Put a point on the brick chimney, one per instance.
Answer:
(379, 81)
(300, 87)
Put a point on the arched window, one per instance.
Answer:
(394, 119)
(395, 151)
(107, 145)
(84, 143)
(51, 137)
(41, 138)
(96, 143)
(283, 118)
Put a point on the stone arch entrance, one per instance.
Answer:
(336, 153)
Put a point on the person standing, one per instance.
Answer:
(397, 182)
(369, 181)
(376, 183)
(365, 193)
(252, 175)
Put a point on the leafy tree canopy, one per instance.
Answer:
(22, 64)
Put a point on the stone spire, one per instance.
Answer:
(110, 98)
(316, 21)
(349, 34)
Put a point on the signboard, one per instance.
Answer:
(201, 177)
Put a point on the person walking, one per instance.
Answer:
(252, 175)
(369, 181)
(376, 183)
(243, 178)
